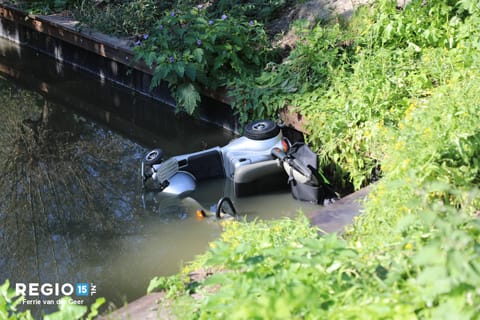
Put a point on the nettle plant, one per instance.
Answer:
(192, 51)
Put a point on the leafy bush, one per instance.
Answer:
(434, 155)
(9, 302)
(191, 50)
(282, 84)
(133, 17)
(191, 45)
(285, 270)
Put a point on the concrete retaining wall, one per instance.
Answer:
(109, 58)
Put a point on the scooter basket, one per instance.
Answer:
(308, 193)
(313, 193)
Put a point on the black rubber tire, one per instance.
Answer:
(154, 156)
(261, 130)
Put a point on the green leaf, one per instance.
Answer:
(429, 255)
(198, 54)
(155, 284)
(150, 58)
(434, 281)
(191, 72)
(334, 267)
(94, 308)
(218, 278)
(189, 41)
(188, 97)
(160, 74)
(180, 69)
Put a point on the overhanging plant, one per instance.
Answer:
(191, 50)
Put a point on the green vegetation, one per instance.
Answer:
(392, 89)
(9, 302)
(352, 80)
(121, 18)
(191, 50)
(134, 17)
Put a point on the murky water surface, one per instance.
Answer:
(72, 208)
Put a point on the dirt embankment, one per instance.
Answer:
(311, 11)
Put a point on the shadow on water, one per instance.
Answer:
(71, 205)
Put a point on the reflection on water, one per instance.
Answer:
(71, 206)
(71, 203)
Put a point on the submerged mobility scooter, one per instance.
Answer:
(260, 161)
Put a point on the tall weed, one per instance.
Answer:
(434, 154)
(354, 81)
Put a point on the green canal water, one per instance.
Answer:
(72, 208)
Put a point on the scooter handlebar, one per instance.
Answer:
(295, 164)
(278, 153)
